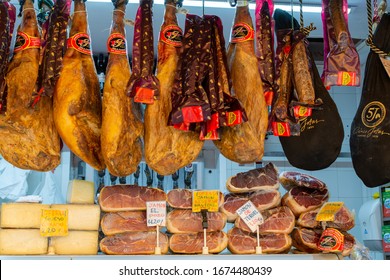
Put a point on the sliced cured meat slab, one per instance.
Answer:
(349, 243)
(122, 128)
(290, 179)
(182, 198)
(343, 220)
(127, 221)
(263, 178)
(186, 221)
(183, 243)
(243, 242)
(134, 243)
(276, 220)
(263, 200)
(301, 199)
(128, 197)
(305, 240)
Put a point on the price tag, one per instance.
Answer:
(205, 200)
(54, 222)
(386, 64)
(250, 215)
(328, 211)
(156, 213)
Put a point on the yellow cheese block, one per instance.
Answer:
(81, 192)
(22, 215)
(76, 243)
(22, 242)
(81, 216)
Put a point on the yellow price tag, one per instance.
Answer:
(54, 222)
(205, 200)
(328, 211)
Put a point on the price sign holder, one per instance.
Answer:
(205, 225)
(156, 213)
(54, 222)
(253, 219)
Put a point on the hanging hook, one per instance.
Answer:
(233, 3)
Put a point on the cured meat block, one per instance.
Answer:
(343, 220)
(182, 243)
(244, 143)
(122, 128)
(29, 139)
(134, 243)
(128, 197)
(182, 198)
(186, 221)
(276, 220)
(263, 199)
(263, 178)
(168, 149)
(242, 242)
(290, 179)
(127, 221)
(77, 101)
(301, 199)
(306, 240)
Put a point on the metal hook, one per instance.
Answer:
(233, 3)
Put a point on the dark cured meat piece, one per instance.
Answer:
(370, 129)
(305, 240)
(183, 243)
(55, 30)
(143, 85)
(290, 179)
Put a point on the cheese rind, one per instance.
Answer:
(22, 215)
(81, 216)
(22, 242)
(81, 192)
(76, 243)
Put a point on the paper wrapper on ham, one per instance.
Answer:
(242, 242)
(134, 243)
(128, 197)
(186, 221)
(181, 243)
(264, 178)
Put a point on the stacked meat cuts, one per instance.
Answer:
(124, 222)
(122, 129)
(187, 226)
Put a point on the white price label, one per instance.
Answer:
(250, 215)
(156, 213)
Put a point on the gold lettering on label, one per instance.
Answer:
(309, 123)
(373, 132)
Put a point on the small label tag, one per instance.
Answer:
(302, 111)
(156, 212)
(386, 64)
(54, 222)
(346, 79)
(172, 35)
(144, 95)
(269, 96)
(234, 118)
(24, 41)
(281, 129)
(242, 32)
(80, 42)
(116, 44)
(205, 200)
(250, 215)
(328, 211)
(192, 114)
(331, 240)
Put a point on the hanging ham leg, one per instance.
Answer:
(28, 136)
(122, 128)
(245, 143)
(77, 101)
(168, 149)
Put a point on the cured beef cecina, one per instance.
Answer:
(77, 101)
(244, 143)
(28, 136)
(168, 149)
(122, 129)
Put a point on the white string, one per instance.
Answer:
(26, 9)
(117, 10)
(129, 22)
(80, 12)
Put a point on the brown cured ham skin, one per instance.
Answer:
(122, 129)
(29, 139)
(167, 149)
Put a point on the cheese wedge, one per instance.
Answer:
(22, 215)
(76, 243)
(22, 242)
(81, 192)
(81, 216)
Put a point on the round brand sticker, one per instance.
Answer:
(242, 32)
(24, 41)
(373, 114)
(80, 42)
(116, 43)
(172, 35)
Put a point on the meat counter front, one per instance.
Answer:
(120, 224)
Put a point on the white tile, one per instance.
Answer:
(349, 183)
